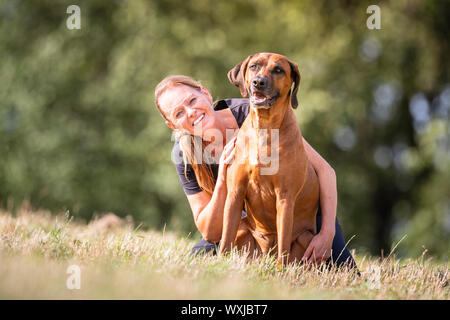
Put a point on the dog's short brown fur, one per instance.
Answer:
(281, 207)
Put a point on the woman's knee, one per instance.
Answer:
(203, 247)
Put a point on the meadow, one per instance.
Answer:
(118, 260)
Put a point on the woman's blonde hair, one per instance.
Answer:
(191, 146)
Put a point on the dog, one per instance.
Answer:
(281, 206)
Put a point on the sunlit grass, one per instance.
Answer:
(119, 261)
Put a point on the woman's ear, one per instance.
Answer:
(170, 125)
(207, 94)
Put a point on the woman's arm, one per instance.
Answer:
(208, 209)
(208, 212)
(320, 246)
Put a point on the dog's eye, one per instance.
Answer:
(253, 67)
(278, 70)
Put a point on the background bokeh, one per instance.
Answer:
(79, 130)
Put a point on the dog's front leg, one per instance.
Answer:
(231, 218)
(285, 220)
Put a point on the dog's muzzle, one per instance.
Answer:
(261, 93)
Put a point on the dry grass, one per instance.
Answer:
(118, 262)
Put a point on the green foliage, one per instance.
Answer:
(79, 129)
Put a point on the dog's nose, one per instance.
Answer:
(259, 82)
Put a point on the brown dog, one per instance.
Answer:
(281, 205)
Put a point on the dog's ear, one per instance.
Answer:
(295, 74)
(237, 76)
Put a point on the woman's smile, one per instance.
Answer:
(199, 119)
(202, 122)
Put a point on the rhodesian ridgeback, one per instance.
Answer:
(281, 205)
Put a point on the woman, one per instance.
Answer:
(187, 107)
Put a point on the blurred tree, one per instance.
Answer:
(79, 129)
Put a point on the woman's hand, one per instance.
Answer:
(225, 159)
(319, 248)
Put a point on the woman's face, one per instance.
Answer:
(188, 108)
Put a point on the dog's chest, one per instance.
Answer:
(261, 204)
(260, 151)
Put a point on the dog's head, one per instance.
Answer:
(265, 77)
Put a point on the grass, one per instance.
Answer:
(120, 262)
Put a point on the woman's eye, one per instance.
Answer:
(178, 114)
(192, 101)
